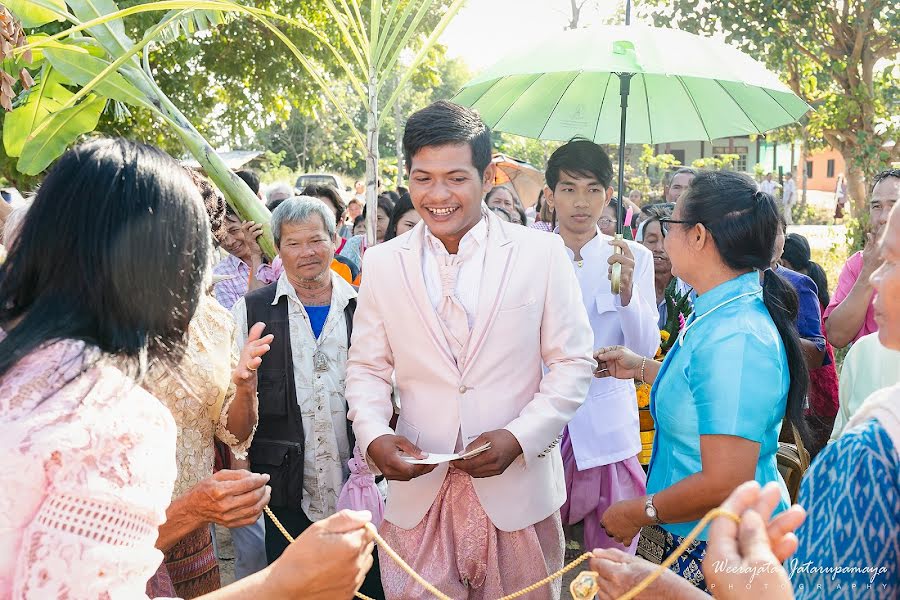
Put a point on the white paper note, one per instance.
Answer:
(436, 459)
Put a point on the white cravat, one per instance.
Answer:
(472, 249)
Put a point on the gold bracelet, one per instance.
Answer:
(643, 364)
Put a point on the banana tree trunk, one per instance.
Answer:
(372, 159)
(238, 194)
(398, 139)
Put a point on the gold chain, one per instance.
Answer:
(716, 512)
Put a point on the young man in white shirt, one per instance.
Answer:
(601, 444)
(768, 185)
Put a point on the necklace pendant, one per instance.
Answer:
(320, 362)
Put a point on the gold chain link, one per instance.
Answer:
(716, 512)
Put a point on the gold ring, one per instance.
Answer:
(249, 369)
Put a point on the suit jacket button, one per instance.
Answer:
(463, 389)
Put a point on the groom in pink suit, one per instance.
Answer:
(462, 312)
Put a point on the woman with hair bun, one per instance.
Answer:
(734, 374)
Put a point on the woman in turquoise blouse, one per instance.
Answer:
(735, 372)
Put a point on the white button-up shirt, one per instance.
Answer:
(605, 429)
(320, 395)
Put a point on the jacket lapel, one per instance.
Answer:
(497, 270)
(414, 281)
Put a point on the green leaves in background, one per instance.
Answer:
(78, 65)
(47, 96)
(62, 129)
(34, 13)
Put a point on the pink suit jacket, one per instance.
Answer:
(529, 313)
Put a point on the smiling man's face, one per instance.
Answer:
(447, 191)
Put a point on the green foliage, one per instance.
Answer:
(313, 137)
(759, 171)
(856, 232)
(841, 57)
(534, 152)
(809, 214)
(60, 129)
(716, 163)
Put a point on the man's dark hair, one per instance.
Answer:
(443, 123)
(330, 193)
(684, 171)
(250, 178)
(884, 175)
(579, 157)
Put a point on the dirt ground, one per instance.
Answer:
(226, 555)
(226, 559)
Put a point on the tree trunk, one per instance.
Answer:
(398, 141)
(856, 187)
(801, 169)
(372, 160)
(576, 14)
(305, 144)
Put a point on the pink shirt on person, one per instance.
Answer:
(846, 280)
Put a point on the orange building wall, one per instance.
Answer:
(820, 180)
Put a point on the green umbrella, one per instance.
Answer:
(629, 84)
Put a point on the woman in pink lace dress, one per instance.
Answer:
(103, 279)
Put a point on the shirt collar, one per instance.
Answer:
(341, 291)
(742, 284)
(596, 246)
(236, 263)
(477, 236)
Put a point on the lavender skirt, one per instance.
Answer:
(590, 492)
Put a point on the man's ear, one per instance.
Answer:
(487, 180)
(548, 197)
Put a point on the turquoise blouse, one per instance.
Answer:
(727, 375)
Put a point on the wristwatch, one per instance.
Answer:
(650, 510)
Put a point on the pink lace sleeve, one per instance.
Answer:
(79, 547)
(108, 472)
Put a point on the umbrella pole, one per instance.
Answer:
(624, 90)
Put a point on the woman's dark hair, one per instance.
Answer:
(402, 190)
(216, 207)
(360, 220)
(798, 254)
(743, 223)
(394, 196)
(327, 192)
(443, 123)
(401, 208)
(113, 253)
(579, 157)
(384, 203)
(250, 178)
